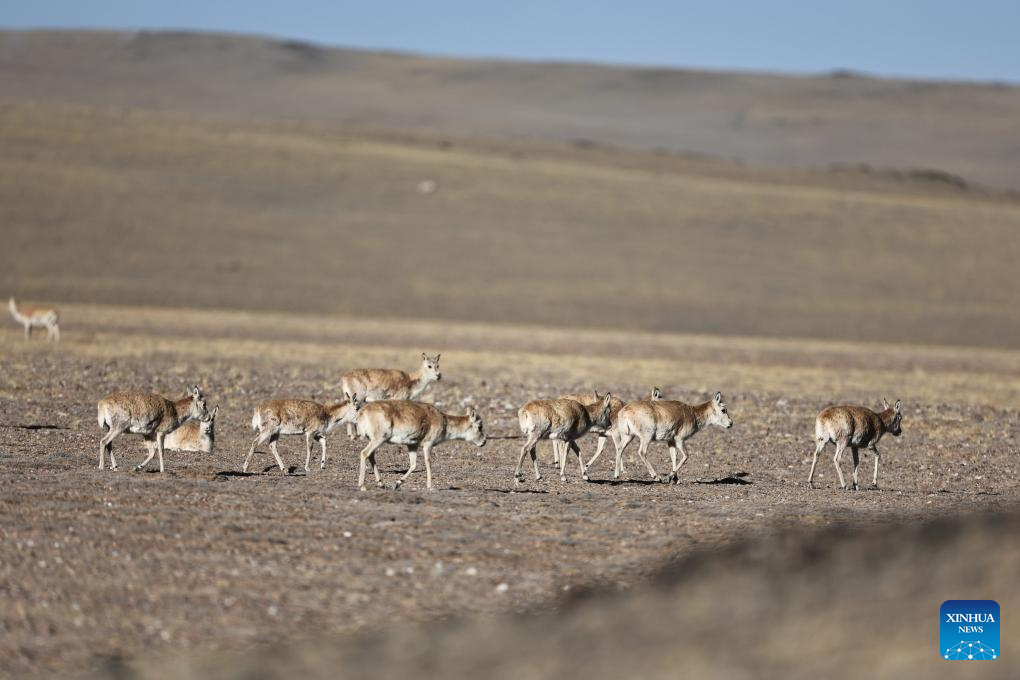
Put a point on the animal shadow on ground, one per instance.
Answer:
(512, 490)
(291, 470)
(735, 478)
(624, 482)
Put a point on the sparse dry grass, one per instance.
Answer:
(594, 358)
(139, 208)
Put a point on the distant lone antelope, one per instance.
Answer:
(858, 428)
(194, 435)
(37, 317)
(378, 384)
(566, 420)
(298, 416)
(415, 425)
(149, 415)
(672, 422)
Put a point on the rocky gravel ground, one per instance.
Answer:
(99, 565)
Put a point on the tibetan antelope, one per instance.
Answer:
(298, 416)
(565, 420)
(673, 422)
(614, 412)
(415, 425)
(589, 399)
(378, 384)
(858, 428)
(36, 317)
(149, 415)
(194, 435)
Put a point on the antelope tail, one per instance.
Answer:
(13, 306)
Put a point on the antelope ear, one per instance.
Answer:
(424, 357)
(437, 358)
(896, 406)
(718, 397)
(214, 412)
(195, 392)
(885, 403)
(596, 393)
(607, 399)
(656, 393)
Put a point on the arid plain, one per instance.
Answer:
(107, 565)
(263, 256)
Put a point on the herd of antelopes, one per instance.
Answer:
(380, 405)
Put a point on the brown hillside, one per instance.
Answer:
(143, 208)
(971, 130)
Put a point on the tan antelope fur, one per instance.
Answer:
(858, 428)
(149, 415)
(297, 416)
(672, 422)
(194, 435)
(36, 317)
(378, 384)
(415, 425)
(565, 420)
(614, 413)
(589, 399)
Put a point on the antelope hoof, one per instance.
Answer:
(563, 478)
(138, 468)
(396, 486)
(322, 466)
(585, 477)
(379, 485)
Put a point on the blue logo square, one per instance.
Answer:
(969, 630)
